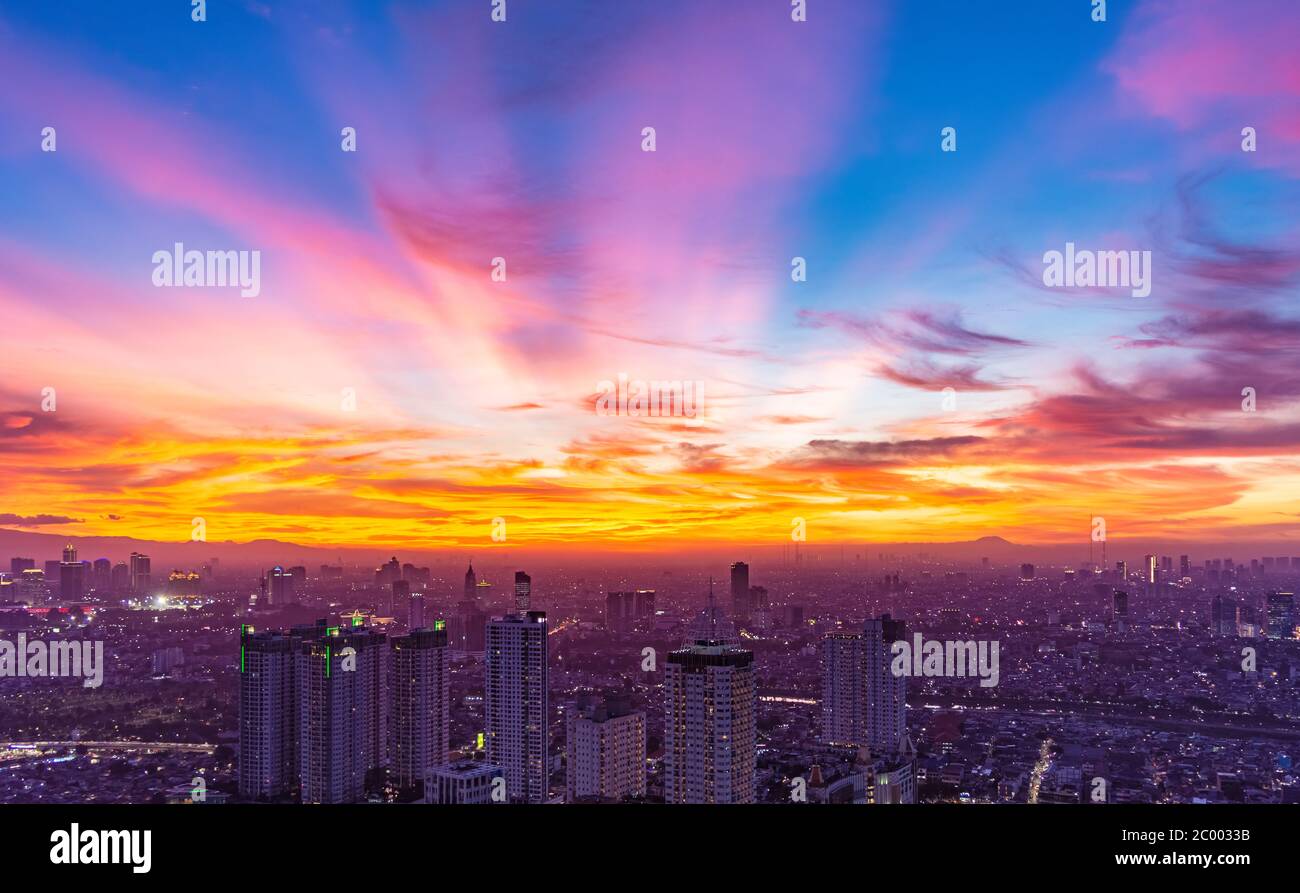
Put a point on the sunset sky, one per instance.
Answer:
(775, 140)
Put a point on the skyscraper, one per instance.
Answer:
(468, 627)
(618, 611)
(1281, 615)
(516, 699)
(399, 597)
(141, 579)
(625, 610)
(709, 722)
(470, 590)
(388, 572)
(523, 592)
(1150, 574)
(886, 702)
(342, 728)
(102, 575)
(740, 591)
(268, 715)
(844, 694)
(1121, 603)
(645, 605)
(419, 730)
(605, 750)
(72, 575)
(279, 584)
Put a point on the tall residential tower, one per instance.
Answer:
(515, 698)
(709, 719)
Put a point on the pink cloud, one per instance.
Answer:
(1220, 65)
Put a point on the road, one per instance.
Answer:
(109, 745)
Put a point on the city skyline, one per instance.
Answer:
(385, 387)
(830, 685)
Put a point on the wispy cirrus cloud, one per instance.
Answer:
(524, 142)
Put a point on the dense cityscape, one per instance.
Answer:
(840, 677)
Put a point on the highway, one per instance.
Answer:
(109, 745)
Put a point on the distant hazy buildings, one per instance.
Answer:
(467, 631)
(386, 573)
(399, 599)
(515, 696)
(72, 575)
(165, 661)
(181, 582)
(415, 610)
(141, 578)
(101, 575)
(626, 611)
(1218, 617)
(279, 587)
(740, 606)
(523, 593)
(1281, 615)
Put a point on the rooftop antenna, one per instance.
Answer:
(713, 612)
